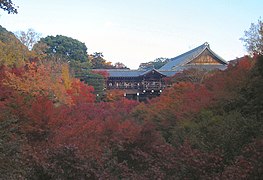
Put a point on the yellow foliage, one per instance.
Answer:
(13, 53)
(66, 76)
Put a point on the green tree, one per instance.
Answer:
(157, 63)
(98, 82)
(228, 132)
(120, 65)
(9, 6)
(253, 38)
(67, 47)
(98, 62)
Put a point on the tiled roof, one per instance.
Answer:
(133, 73)
(121, 72)
(185, 58)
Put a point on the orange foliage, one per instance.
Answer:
(80, 92)
(40, 80)
(96, 127)
(226, 84)
(120, 138)
(114, 95)
(180, 101)
(37, 81)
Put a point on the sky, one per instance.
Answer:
(137, 31)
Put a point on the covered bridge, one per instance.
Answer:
(151, 82)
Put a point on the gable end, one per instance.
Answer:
(206, 58)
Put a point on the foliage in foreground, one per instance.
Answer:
(51, 128)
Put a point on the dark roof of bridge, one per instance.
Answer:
(121, 72)
(133, 73)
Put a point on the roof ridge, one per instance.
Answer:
(177, 58)
(192, 50)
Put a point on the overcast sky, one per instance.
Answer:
(135, 31)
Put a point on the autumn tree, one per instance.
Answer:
(9, 6)
(48, 81)
(253, 38)
(180, 102)
(114, 95)
(36, 81)
(12, 51)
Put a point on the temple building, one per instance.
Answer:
(150, 83)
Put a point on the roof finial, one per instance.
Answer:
(206, 44)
